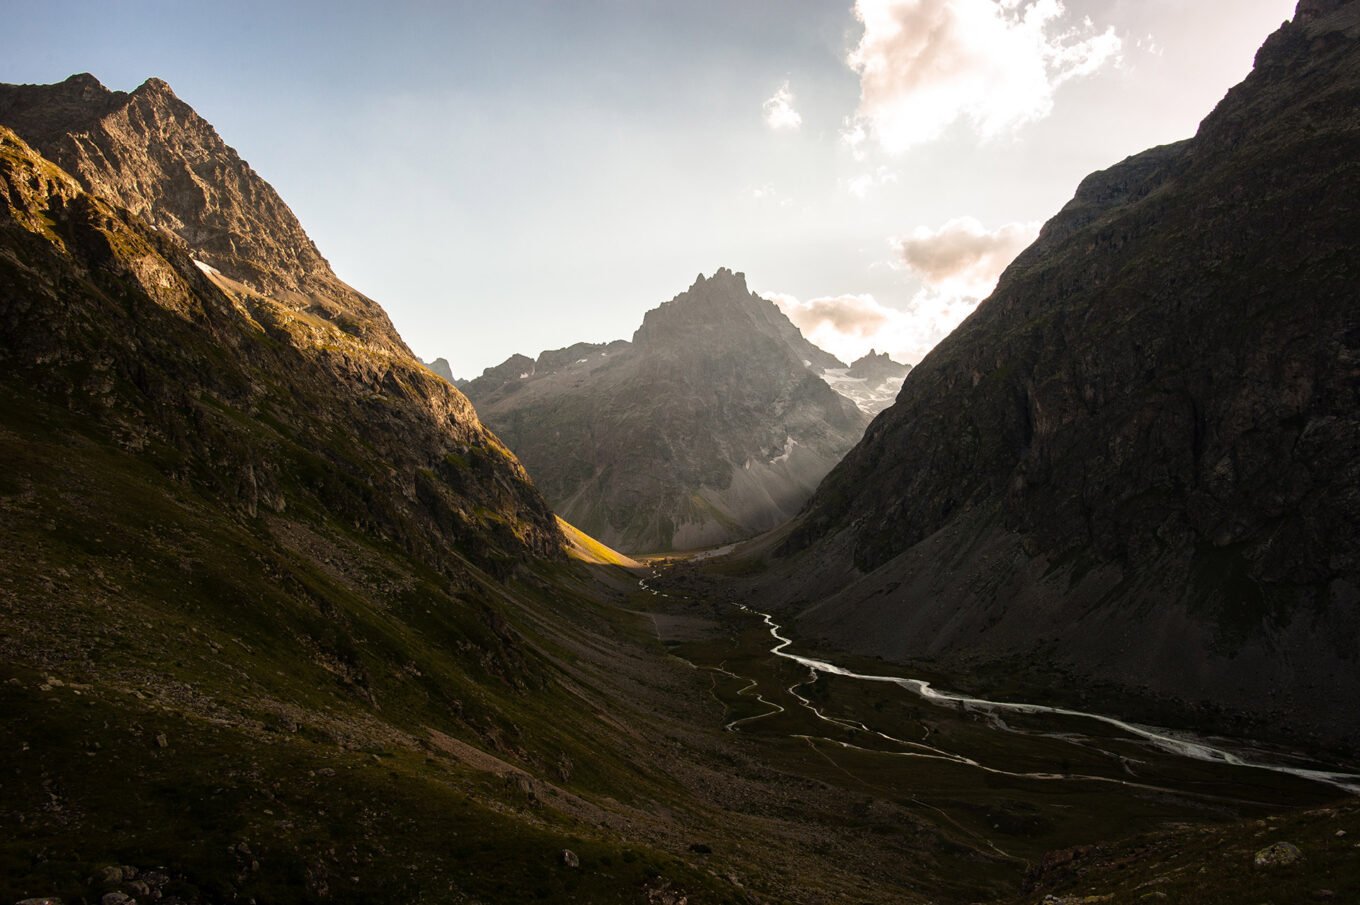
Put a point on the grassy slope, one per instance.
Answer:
(261, 583)
(303, 678)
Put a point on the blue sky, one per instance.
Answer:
(514, 176)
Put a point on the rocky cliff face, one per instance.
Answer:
(711, 425)
(151, 154)
(249, 396)
(1139, 460)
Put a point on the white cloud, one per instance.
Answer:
(958, 265)
(848, 326)
(925, 64)
(779, 111)
(860, 185)
(962, 259)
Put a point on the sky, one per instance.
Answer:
(525, 174)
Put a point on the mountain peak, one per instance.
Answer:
(154, 86)
(84, 81)
(151, 153)
(877, 366)
(723, 278)
(716, 309)
(711, 426)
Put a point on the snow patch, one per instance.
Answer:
(789, 444)
(206, 268)
(870, 399)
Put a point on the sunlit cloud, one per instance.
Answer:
(962, 258)
(957, 265)
(849, 326)
(779, 110)
(995, 64)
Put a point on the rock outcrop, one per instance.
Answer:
(710, 426)
(1139, 460)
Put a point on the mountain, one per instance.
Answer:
(871, 382)
(877, 367)
(1137, 464)
(441, 367)
(151, 154)
(710, 426)
(279, 619)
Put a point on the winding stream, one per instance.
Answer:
(1176, 744)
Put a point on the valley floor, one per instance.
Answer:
(720, 773)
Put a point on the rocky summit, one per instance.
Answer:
(151, 154)
(1136, 463)
(876, 367)
(712, 425)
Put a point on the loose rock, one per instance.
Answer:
(569, 858)
(1279, 854)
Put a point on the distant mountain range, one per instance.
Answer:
(715, 423)
(1138, 462)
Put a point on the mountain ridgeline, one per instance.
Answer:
(1137, 462)
(711, 426)
(149, 153)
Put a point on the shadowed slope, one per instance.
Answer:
(1139, 460)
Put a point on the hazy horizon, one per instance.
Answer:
(520, 178)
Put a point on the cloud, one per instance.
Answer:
(779, 112)
(860, 185)
(958, 265)
(962, 258)
(848, 326)
(925, 64)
